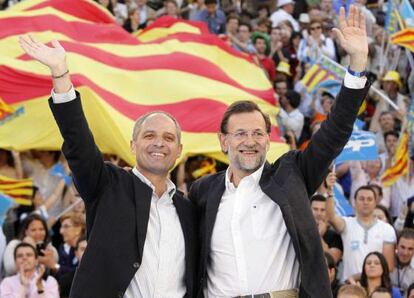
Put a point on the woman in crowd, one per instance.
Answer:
(35, 232)
(375, 273)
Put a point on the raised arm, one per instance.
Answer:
(84, 158)
(329, 141)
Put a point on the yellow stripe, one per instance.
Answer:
(316, 80)
(19, 192)
(157, 33)
(5, 187)
(309, 74)
(23, 202)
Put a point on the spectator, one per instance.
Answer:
(410, 291)
(284, 12)
(276, 45)
(120, 11)
(243, 41)
(362, 234)
(263, 25)
(261, 42)
(332, 273)
(213, 17)
(29, 282)
(331, 241)
(290, 116)
(391, 142)
(381, 213)
(352, 291)
(172, 9)
(316, 44)
(386, 124)
(133, 23)
(327, 10)
(66, 280)
(33, 231)
(195, 8)
(145, 11)
(375, 274)
(381, 292)
(403, 274)
(327, 101)
(10, 164)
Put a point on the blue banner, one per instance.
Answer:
(5, 203)
(407, 13)
(59, 171)
(342, 205)
(361, 146)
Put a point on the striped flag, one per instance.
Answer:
(173, 65)
(400, 163)
(404, 38)
(322, 70)
(20, 190)
(392, 18)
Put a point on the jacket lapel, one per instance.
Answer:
(142, 196)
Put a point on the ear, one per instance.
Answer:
(223, 142)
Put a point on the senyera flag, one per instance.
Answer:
(174, 65)
(404, 38)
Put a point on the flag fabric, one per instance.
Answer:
(342, 205)
(361, 146)
(20, 190)
(324, 69)
(392, 17)
(407, 13)
(5, 203)
(59, 171)
(404, 38)
(400, 163)
(173, 65)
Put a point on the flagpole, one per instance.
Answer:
(69, 208)
(376, 90)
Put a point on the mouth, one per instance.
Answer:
(157, 154)
(248, 152)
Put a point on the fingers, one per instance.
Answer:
(362, 22)
(351, 16)
(342, 20)
(56, 44)
(338, 34)
(357, 14)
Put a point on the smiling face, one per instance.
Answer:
(36, 231)
(156, 145)
(246, 141)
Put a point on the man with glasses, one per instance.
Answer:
(258, 234)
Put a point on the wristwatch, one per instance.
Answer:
(356, 73)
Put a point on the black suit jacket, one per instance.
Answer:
(289, 182)
(117, 211)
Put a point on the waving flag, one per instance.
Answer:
(173, 65)
(20, 190)
(361, 146)
(400, 163)
(407, 13)
(404, 38)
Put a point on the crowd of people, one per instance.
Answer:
(369, 254)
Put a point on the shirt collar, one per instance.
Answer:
(170, 186)
(255, 177)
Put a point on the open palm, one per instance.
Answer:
(352, 32)
(49, 56)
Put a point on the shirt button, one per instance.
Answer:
(136, 265)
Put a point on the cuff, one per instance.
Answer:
(353, 82)
(63, 97)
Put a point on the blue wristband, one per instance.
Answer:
(357, 74)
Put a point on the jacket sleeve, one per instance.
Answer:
(90, 174)
(331, 138)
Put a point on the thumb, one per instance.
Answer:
(338, 34)
(56, 44)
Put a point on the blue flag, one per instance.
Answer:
(361, 146)
(342, 205)
(5, 203)
(59, 171)
(407, 13)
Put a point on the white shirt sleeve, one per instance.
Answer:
(353, 82)
(389, 235)
(63, 97)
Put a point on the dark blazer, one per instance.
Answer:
(289, 182)
(117, 211)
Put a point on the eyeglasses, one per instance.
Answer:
(66, 226)
(315, 28)
(242, 135)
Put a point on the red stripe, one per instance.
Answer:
(79, 8)
(175, 61)
(83, 32)
(310, 81)
(205, 113)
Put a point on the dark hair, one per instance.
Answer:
(294, 98)
(407, 233)
(380, 290)
(26, 223)
(263, 6)
(391, 133)
(326, 93)
(24, 244)
(210, 2)
(239, 107)
(385, 277)
(9, 157)
(80, 239)
(317, 198)
(247, 25)
(410, 288)
(377, 187)
(329, 260)
(365, 187)
(386, 212)
(233, 16)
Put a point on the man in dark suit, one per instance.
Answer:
(258, 235)
(141, 232)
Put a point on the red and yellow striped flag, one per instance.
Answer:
(173, 65)
(400, 164)
(404, 38)
(315, 75)
(21, 190)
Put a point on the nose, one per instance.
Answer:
(158, 141)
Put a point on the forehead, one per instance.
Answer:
(158, 123)
(406, 242)
(318, 204)
(373, 258)
(365, 193)
(24, 250)
(246, 121)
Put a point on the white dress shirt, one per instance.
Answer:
(251, 250)
(162, 270)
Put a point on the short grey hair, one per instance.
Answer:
(141, 120)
